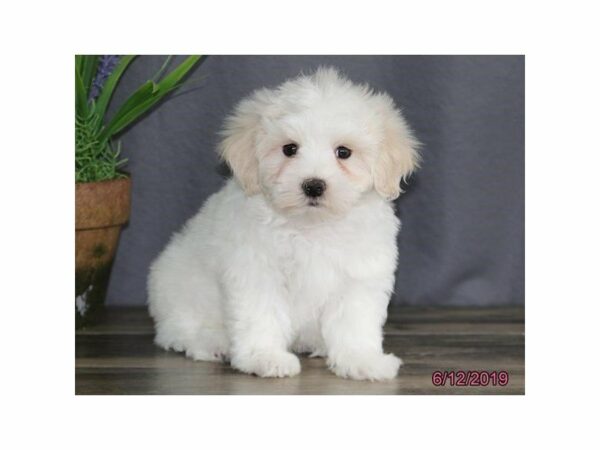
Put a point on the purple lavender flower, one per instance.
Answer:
(106, 65)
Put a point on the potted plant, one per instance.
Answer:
(102, 189)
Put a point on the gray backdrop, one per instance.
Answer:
(462, 241)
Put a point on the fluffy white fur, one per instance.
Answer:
(260, 272)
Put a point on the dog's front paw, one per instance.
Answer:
(373, 367)
(273, 364)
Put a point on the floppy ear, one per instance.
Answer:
(238, 146)
(398, 153)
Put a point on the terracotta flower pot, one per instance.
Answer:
(101, 209)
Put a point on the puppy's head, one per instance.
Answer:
(318, 143)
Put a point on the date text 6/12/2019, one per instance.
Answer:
(469, 378)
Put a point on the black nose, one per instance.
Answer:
(314, 187)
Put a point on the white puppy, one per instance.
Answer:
(298, 252)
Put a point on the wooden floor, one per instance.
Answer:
(117, 356)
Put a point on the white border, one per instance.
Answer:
(562, 223)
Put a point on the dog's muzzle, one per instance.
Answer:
(314, 187)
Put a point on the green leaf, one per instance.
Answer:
(78, 63)
(178, 73)
(111, 83)
(89, 69)
(117, 124)
(80, 96)
(158, 74)
(169, 83)
(144, 92)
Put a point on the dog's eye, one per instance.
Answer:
(289, 149)
(343, 152)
